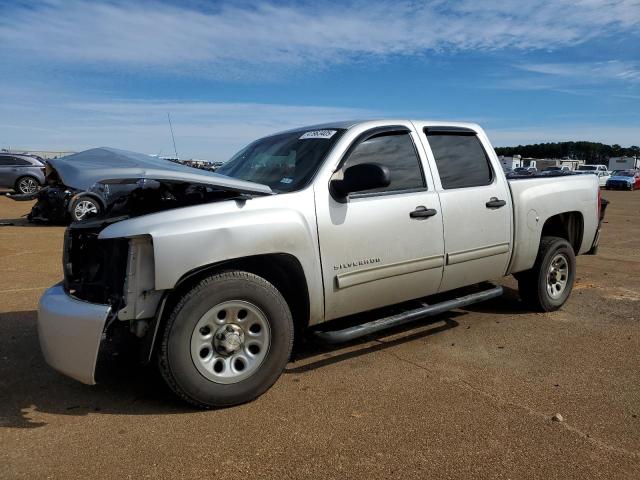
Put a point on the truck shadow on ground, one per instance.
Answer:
(312, 355)
(30, 388)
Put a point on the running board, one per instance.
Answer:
(357, 331)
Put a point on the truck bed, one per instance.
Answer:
(537, 198)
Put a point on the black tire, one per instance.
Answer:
(175, 361)
(90, 208)
(27, 184)
(534, 284)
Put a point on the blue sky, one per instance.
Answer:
(77, 74)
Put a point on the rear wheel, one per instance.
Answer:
(226, 341)
(548, 284)
(27, 185)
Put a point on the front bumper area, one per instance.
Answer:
(70, 333)
(618, 185)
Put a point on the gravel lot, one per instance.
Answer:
(469, 394)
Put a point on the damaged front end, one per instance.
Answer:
(109, 283)
(108, 301)
(104, 305)
(94, 269)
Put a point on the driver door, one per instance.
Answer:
(374, 251)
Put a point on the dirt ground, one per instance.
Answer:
(469, 394)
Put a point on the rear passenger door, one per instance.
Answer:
(476, 205)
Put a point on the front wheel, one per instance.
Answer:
(226, 341)
(83, 208)
(548, 284)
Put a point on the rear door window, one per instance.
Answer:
(461, 160)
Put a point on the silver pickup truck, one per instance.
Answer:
(296, 236)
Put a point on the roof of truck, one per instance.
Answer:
(346, 124)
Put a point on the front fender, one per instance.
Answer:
(188, 238)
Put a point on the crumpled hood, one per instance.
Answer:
(84, 169)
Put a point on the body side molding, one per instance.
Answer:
(349, 279)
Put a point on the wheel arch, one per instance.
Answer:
(567, 225)
(284, 271)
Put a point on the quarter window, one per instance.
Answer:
(394, 150)
(461, 160)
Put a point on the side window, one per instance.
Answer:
(20, 161)
(461, 160)
(394, 150)
(13, 161)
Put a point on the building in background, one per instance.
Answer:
(624, 163)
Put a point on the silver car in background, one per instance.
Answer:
(22, 173)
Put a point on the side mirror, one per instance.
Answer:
(364, 176)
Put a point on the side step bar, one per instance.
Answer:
(357, 331)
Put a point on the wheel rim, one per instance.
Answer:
(28, 185)
(84, 207)
(558, 276)
(230, 342)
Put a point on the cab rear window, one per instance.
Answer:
(461, 160)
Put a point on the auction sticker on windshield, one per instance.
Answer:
(318, 134)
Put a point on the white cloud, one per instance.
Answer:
(212, 131)
(591, 72)
(232, 41)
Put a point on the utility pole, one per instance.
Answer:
(175, 150)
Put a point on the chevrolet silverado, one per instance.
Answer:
(333, 231)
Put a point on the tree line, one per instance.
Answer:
(591, 152)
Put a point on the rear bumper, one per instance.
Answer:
(70, 333)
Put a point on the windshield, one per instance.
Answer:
(586, 167)
(285, 162)
(624, 174)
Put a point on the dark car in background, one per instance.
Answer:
(22, 173)
(111, 181)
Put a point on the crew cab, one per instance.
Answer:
(332, 231)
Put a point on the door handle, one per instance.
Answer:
(495, 203)
(423, 212)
